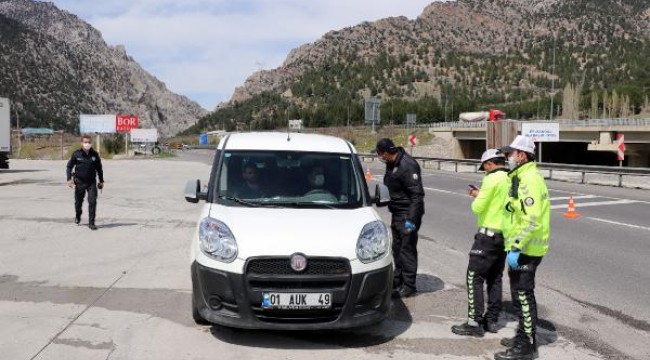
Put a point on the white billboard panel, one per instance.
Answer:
(144, 135)
(5, 125)
(541, 132)
(97, 124)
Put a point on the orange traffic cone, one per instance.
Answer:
(368, 174)
(571, 212)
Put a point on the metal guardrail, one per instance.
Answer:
(620, 172)
(563, 123)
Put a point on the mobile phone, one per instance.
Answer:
(473, 187)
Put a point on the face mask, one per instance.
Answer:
(86, 146)
(319, 180)
(512, 163)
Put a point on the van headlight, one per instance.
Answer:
(373, 242)
(217, 241)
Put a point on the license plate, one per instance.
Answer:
(273, 300)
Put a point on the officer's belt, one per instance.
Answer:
(488, 232)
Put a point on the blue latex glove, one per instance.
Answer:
(409, 226)
(513, 259)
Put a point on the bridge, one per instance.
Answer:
(581, 141)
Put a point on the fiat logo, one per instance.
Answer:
(298, 262)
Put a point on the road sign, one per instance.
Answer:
(411, 119)
(203, 139)
(124, 123)
(372, 113)
(413, 140)
(144, 135)
(97, 124)
(541, 132)
(621, 146)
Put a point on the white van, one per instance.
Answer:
(288, 237)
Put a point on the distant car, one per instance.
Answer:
(307, 251)
(185, 147)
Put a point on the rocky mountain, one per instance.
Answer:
(478, 53)
(54, 66)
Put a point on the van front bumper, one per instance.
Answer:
(235, 300)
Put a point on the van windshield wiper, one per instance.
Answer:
(298, 204)
(239, 201)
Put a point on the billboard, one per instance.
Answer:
(124, 123)
(541, 131)
(372, 110)
(5, 125)
(97, 124)
(144, 135)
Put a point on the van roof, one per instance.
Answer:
(278, 141)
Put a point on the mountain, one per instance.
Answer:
(54, 66)
(590, 56)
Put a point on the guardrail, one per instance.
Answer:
(583, 170)
(563, 123)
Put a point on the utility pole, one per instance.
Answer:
(553, 77)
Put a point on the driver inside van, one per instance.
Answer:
(251, 187)
(316, 178)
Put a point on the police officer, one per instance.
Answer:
(403, 179)
(487, 258)
(526, 235)
(87, 167)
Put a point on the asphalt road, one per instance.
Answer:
(123, 292)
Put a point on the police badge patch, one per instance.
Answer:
(529, 201)
(415, 176)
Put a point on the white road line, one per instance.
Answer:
(578, 197)
(445, 191)
(619, 223)
(597, 203)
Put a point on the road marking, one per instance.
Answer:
(598, 203)
(578, 197)
(445, 191)
(619, 223)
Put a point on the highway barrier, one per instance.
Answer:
(549, 169)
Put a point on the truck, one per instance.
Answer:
(491, 115)
(5, 133)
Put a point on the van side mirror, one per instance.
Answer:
(193, 191)
(382, 195)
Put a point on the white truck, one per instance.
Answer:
(492, 115)
(5, 133)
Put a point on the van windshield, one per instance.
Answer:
(289, 179)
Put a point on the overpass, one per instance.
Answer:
(581, 141)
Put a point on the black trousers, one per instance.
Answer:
(486, 262)
(405, 252)
(522, 290)
(80, 190)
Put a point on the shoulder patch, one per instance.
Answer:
(529, 201)
(415, 176)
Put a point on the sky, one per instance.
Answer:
(203, 49)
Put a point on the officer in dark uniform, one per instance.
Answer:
(87, 167)
(403, 179)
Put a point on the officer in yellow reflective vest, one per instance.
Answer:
(487, 258)
(526, 233)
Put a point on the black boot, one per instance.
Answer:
(522, 350)
(508, 342)
(77, 219)
(92, 226)
(468, 330)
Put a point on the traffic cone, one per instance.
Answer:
(571, 212)
(368, 174)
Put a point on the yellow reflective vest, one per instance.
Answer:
(528, 220)
(491, 200)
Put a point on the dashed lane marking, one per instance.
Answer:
(597, 203)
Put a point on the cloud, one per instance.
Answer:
(205, 48)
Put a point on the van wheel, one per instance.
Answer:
(198, 319)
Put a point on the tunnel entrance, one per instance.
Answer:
(576, 153)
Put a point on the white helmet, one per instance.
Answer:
(491, 154)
